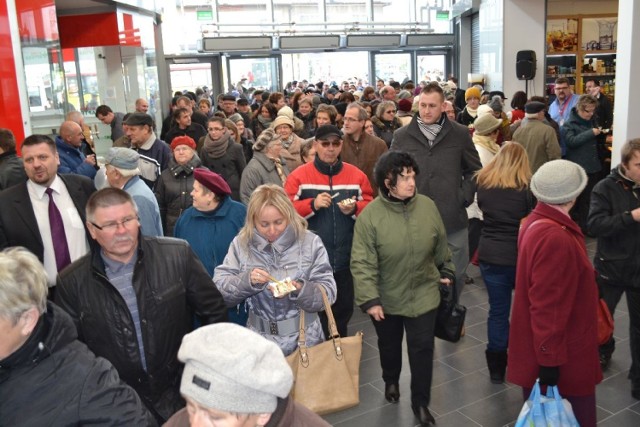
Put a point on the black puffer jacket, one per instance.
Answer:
(170, 284)
(617, 258)
(173, 191)
(54, 380)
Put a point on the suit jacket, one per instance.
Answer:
(18, 225)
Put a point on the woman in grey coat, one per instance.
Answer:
(275, 245)
(266, 166)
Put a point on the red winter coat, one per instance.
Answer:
(553, 320)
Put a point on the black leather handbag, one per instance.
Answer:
(450, 317)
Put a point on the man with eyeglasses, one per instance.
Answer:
(132, 299)
(329, 194)
(122, 171)
(560, 108)
(359, 148)
(581, 134)
(448, 161)
(45, 213)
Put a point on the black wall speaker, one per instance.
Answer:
(526, 64)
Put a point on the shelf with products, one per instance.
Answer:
(581, 47)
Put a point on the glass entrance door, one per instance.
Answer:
(259, 72)
(431, 66)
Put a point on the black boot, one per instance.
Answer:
(497, 364)
(422, 413)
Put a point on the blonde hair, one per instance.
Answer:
(23, 284)
(508, 169)
(271, 195)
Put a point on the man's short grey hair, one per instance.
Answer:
(362, 113)
(105, 198)
(23, 284)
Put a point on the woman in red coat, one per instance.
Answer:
(553, 332)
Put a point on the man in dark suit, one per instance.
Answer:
(28, 217)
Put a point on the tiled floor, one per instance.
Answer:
(462, 394)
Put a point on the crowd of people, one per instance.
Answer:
(176, 249)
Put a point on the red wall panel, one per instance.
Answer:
(100, 29)
(10, 114)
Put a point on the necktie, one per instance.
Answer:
(58, 235)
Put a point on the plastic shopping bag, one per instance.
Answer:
(546, 411)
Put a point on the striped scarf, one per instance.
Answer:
(281, 174)
(431, 131)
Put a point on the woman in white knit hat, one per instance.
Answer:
(554, 334)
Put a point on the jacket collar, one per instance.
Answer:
(326, 168)
(282, 243)
(8, 154)
(546, 211)
(186, 169)
(220, 211)
(53, 331)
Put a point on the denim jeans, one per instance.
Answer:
(500, 281)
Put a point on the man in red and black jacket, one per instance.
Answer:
(329, 194)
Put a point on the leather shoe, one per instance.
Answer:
(392, 392)
(422, 413)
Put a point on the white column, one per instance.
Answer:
(625, 118)
(524, 29)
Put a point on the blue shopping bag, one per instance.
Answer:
(546, 411)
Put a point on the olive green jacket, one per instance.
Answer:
(399, 254)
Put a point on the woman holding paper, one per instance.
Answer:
(277, 265)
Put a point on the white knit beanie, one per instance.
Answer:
(558, 182)
(233, 369)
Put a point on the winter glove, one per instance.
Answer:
(549, 375)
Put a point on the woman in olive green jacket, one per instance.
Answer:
(399, 258)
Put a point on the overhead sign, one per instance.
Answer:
(204, 15)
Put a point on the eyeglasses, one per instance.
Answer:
(113, 226)
(215, 129)
(326, 144)
(561, 87)
(390, 111)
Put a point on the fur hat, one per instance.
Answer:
(486, 124)
(472, 92)
(558, 182)
(265, 138)
(236, 117)
(230, 368)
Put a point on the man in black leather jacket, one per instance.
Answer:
(134, 299)
(48, 377)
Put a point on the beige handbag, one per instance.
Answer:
(326, 376)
